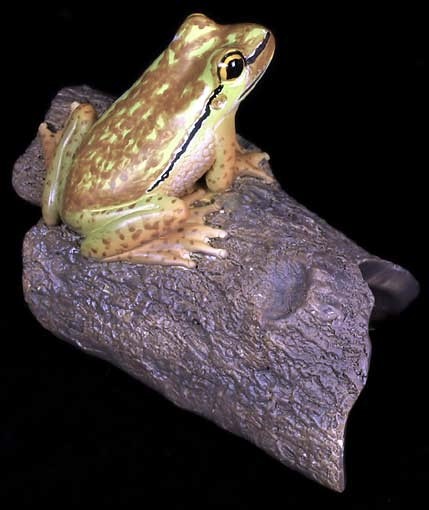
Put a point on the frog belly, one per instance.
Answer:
(191, 162)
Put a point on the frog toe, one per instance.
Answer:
(145, 255)
(195, 238)
(205, 248)
(201, 232)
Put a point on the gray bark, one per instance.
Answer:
(271, 343)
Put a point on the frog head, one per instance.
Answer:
(225, 60)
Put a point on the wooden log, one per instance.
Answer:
(270, 343)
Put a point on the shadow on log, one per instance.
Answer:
(271, 343)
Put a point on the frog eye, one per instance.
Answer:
(231, 66)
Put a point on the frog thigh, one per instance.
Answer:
(114, 230)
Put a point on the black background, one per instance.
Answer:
(341, 113)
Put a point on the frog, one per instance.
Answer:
(138, 182)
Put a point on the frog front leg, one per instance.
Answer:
(232, 161)
(157, 229)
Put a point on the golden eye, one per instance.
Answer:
(231, 66)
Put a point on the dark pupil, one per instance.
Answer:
(235, 68)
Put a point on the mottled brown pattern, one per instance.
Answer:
(119, 137)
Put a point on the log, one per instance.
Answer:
(270, 343)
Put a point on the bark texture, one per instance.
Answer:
(271, 343)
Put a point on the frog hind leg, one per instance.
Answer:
(231, 160)
(157, 229)
(176, 247)
(59, 149)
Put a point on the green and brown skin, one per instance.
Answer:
(126, 181)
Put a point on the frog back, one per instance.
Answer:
(131, 144)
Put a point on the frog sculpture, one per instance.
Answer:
(128, 181)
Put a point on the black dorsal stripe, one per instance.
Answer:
(192, 134)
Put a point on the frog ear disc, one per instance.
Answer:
(231, 66)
